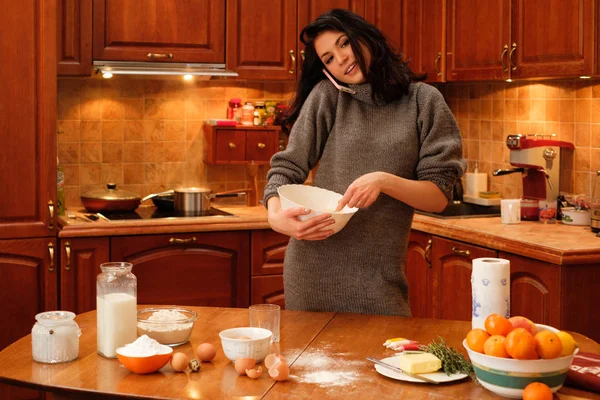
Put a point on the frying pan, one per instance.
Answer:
(110, 199)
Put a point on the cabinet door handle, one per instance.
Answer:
(68, 253)
(232, 145)
(293, 57)
(51, 251)
(426, 254)
(461, 252)
(50, 215)
(182, 241)
(159, 55)
(504, 51)
(303, 55)
(510, 60)
(261, 145)
(435, 63)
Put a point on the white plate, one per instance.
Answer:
(436, 376)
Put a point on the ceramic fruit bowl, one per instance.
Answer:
(508, 377)
(318, 200)
(145, 365)
(246, 343)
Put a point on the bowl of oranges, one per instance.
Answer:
(512, 353)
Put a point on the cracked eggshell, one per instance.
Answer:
(273, 359)
(254, 373)
(280, 372)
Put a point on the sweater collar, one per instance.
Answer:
(363, 94)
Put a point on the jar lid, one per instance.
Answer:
(53, 318)
(260, 104)
(111, 193)
(235, 100)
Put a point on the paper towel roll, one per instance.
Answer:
(490, 288)
(476, 182)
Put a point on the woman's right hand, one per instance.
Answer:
(287, 222)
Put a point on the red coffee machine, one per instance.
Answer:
(540, 158)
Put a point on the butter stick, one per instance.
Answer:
(421, 363)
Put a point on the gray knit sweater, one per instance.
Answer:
(361, 268)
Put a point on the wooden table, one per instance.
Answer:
(326, 353)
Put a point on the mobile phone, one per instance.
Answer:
(337, 85)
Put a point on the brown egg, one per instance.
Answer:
(254, 373)
(242, 364)
(280, 372)
(206, 352)
(179, 362)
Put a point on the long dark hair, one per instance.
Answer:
(388, 74)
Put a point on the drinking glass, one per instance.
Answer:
(266, 316)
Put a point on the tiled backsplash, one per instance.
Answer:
(488, 112)
(146, 134)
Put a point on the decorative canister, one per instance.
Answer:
(116, 307)
(55, 337)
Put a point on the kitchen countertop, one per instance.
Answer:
(554, 243)
(326, 353)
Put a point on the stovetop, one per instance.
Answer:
(152, 213)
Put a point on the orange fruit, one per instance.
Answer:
(476, 338)
(520, 344)
(496, 324)
(537, 391)
(547, 344)
(494, 346)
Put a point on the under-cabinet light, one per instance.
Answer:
(188, 77)
(162, 68)
(107, 75)
(585, 77)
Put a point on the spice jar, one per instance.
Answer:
(234, 111)
(116, 307)
(262, 112)
(55, 337)
(247, 113)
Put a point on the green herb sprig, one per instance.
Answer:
(452, 361)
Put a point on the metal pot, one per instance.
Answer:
(189, 201)
(110, 199)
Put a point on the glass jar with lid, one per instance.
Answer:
(55, 337)
(116, 307)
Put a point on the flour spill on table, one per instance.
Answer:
(325, 368)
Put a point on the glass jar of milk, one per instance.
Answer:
(116, 307)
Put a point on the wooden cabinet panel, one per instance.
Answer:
(477, 33)
(309, 10)
(74, 37)
(28, 286)
(552, 38)
(419, 273)
(261, 39)
(131, 30)
(199, 269)
(230, 146)
(261, 145)
(80, 260)
(452, 266)
(268, 289)
(268, 251)
(388, 15)
(28, 125)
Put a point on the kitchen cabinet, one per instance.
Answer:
(519, 39)
(28, 287)
(165, 31)
(451, 284)
(263, 47)
(74, 37)
(80, 260)
(28, 127)
(240, 144)
(419, 273)
(267, 254)
(195, 269)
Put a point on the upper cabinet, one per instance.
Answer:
(28, 125)
(504, 39)
(158, 30)
(74, 37)
(265, 45)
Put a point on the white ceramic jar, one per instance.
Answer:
(55, 337)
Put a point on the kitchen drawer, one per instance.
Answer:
(240, 144)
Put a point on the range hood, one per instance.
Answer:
(158, 68)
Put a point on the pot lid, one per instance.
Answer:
(111, 193)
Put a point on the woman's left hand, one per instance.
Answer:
(363, 191)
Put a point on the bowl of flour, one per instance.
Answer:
(171, 326)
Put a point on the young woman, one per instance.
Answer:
(388, 143)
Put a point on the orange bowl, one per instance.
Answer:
(146, 365)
